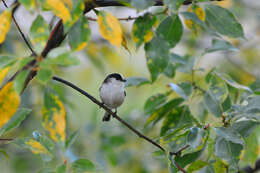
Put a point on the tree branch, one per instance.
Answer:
(106, 3)
(114, 114)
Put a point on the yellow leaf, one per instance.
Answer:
(68, 3)
(124, 44)
(59, 9)
(9, 102)
(36, 147)
(201, 15)
(225, 3)
(5, 23)
(81, 46)
(54, 118)
(3, 73)
(110, 28)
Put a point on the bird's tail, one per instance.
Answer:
(106, 117)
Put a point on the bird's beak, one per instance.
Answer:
(124, 80)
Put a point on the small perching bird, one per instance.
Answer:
(112, 92)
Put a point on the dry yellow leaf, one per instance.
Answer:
(36, 147)
(59, 9)
(3, 73)
(55, 119)
(201, 15)
(110, 28)
(9, 102)
(5, 23)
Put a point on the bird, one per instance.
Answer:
(112, 92)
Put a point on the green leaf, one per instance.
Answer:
(174, 62)
(183, 89)
(157, 56)
(76, 12)
(223, 21)
(197, 165)
(170, 30)
(61, 168)
(226, 105)
(170, 70)
(3, 152)
(232, 83)
(220, 45)
(173, 4)
(16, 120)
(44, 75)
(71, 139)
(142, 4)
(79, 34)
(19, 80)
(136, 81)
(142, 29)
(25, 61)
(188, 158)
(39, 33)
(163, 110)
(46, 170)
(82, 165)
(29, 4)
(153, 103)
(256, 86)
(229, 135)
(228, 146)
(6, 61)
(186, 64)
(60, 56)
(212, 105)
(228, 151)
(176, 119)
(218, 88)
(219, 166)
(245, 127)
(208, 169)
(194, 138)
(251, 149)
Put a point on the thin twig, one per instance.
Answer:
(6, 139)
(21, 32)
(124, 18)
(114, 114)
(179, 152)
(130, 17)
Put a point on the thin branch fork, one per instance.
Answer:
(114, 114)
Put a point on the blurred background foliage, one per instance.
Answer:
(111, 146)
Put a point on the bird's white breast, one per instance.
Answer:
(112, 93)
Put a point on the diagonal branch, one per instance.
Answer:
(114, 114)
